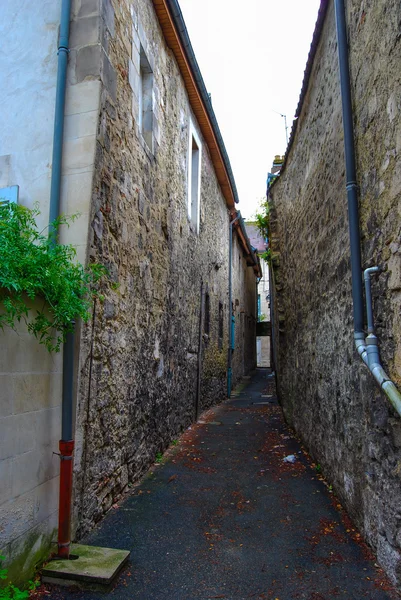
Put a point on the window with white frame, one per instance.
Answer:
(194, 176)
(146, 100)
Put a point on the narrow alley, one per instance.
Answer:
(224, 515)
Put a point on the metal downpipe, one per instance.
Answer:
(66, 444)
(351, 185)
(367, 349)
(58, 133)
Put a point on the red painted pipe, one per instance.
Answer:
(64, 514)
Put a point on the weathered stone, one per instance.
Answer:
(327, 393)
(143, 346)
(85, 31)
(88, 62)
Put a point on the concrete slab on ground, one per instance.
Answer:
(93, 565)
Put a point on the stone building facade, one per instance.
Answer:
(327, 393)
(145, 166)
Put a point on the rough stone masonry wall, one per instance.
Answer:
(245, 307)
(327, 393)
(139, 355)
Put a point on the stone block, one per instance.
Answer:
(108, 75)
(79, 192)
(47, 425)
(134, 78)
(83, 97)
(394, 266)
(81, 250)
(25, 354)
(77, 233)
(156, 130)
(135, 108)
(88, 63)
(32, 468)
(36, 391)
(6, 395)
(80, 125)
(108, 16)
(46, 498)
(390, 559)
(79, 155)
(85, 8)
(16, 435)
(136, 44)
(6, 474)
(85, 31)
(16, 518)
(143, 39)
(136, 58)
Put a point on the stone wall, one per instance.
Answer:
(140, 365)
(327, 393)
(245, 308)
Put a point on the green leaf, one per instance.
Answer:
(34, 267)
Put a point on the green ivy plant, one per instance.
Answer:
(34, 267)
(11, 592)
(263, 224)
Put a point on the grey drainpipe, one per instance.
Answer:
(59, 110)
(66, 444)
(368, 350)
(230, 293)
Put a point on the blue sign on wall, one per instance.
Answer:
(9, 194)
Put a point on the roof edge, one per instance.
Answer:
(229, 188)
(324, 4)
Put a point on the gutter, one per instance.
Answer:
(367, 348)
(179, 23)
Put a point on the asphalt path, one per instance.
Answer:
(225, 516)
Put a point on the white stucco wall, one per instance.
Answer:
(30, 378)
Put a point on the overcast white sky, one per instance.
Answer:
(252, 56)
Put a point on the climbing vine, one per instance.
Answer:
(263, 224)
(34, 267)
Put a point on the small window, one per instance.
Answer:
(194, 171)
(146, 100)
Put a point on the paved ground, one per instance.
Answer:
(225, 517)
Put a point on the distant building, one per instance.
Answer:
(263, 345)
